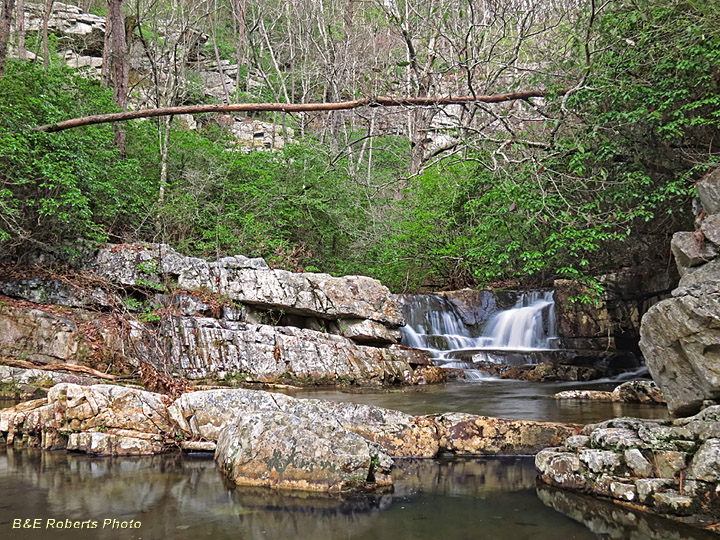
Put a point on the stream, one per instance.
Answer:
(496, 498)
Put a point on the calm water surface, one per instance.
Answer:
(184, 497)
(519, 400)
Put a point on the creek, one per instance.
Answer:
(185, 497)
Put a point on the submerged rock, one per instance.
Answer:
(281, 450)
(628, 392)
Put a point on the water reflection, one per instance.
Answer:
(609, 520)
(182, 497)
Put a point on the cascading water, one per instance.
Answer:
(510, 336)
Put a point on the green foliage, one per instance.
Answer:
(58, 187)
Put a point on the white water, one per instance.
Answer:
(435, 325)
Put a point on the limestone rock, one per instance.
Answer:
(201, 415)
(711, 228)
(368, 332)
(691, 250)
(709, 191)
(203, 347)
(680, 339)
(468, 434)
(39, 336)
(638, 392)
(665, 467)
(588, 395)
(251, 281)
(108, 444)
(709, 272)
(282, 450)
(84, 32)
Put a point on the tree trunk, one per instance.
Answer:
(20, 25)
(5, 18)
(118, 65)
(45, 38)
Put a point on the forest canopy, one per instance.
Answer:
(592, 177)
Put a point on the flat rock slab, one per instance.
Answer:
(251, 281)
(281, 450)
(665, 467)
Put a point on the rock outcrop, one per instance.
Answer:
(668, 468)
(233, 318)
(680, 336)
(116, 420)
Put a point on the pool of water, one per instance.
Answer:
(518, 400)
(184, 497)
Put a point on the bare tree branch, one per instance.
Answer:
(380, 101)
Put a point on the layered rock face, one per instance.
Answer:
(666, 468)
(234, 317)
(680, 336)
(262, 438)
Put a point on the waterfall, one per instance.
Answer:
(435, 325)
(530, 324)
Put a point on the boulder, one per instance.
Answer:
(691, 249)
(710, 228)
(201, 415)
(629, 392)
(281, 450)
(467, 434)
(680, 339)
(251, 281)
(708, 189)
(638, 392)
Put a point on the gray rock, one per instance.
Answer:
(709, 191)
(201, 415)
(40, 336)
(282, 450)
(42, 291)
(639, 466)
(711, 228)
(202, 347)
(647, 487)
(626, 492)
(671, 502)
(680, 338)
(250, 281)
(709, 272)
(598, 461)
(368, 332)
(705, 465)
(638, 392)
(691, 250)
(615, 438)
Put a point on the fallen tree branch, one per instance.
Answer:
(379, 101)
(59, 367)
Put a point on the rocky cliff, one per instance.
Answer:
(680, 336)
(235, 318)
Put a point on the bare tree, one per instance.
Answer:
(5, 20)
